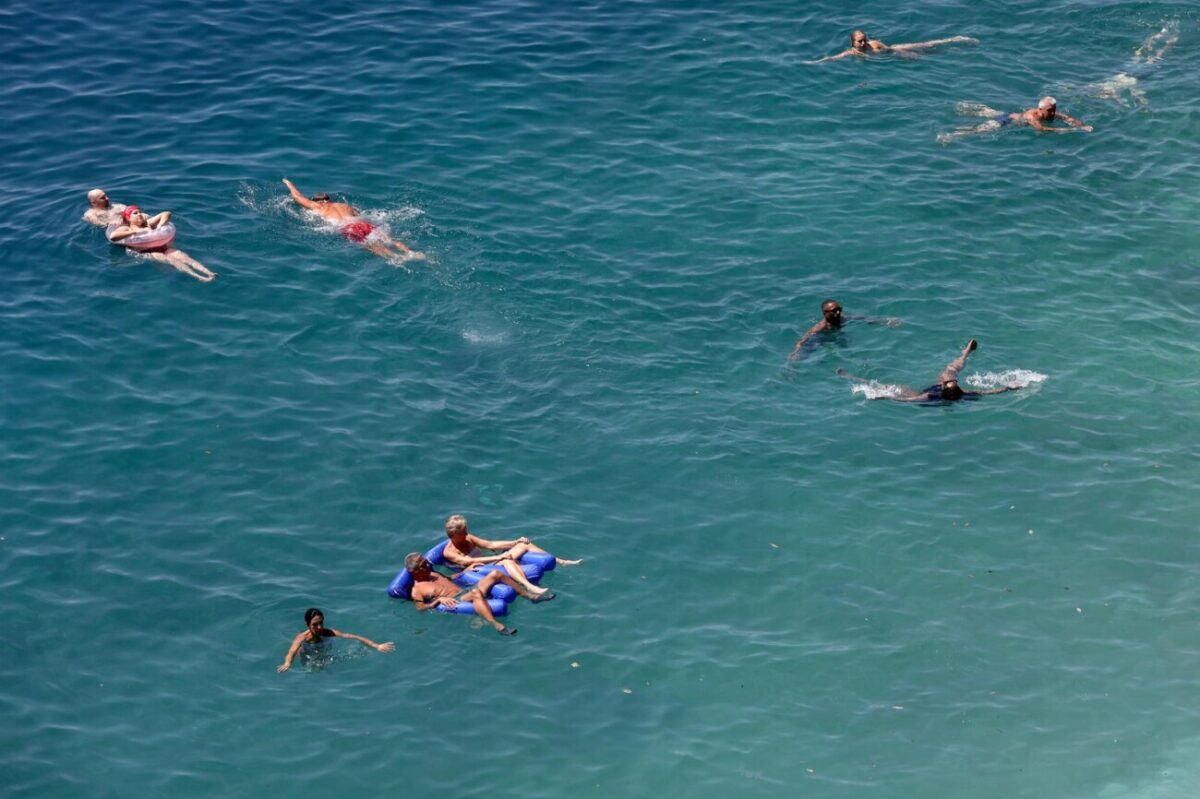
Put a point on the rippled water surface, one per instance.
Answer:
(631, 212)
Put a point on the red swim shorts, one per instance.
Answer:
(357, 231)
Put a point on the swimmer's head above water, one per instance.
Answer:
(1047, 107)
(859, 41)
(832, 311)
(950, 390)
(417, 564)
(98, 198)
(320, 197)
(314, 619)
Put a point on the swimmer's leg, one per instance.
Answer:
(514, 570)
(968, 109)
(190, 266)
(378, 248)
(987, 127)
(520, 549)
(477, 596)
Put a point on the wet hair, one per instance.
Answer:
(855, 34)
(320, 197)
(413, 561)
(311, 614)
(829, 302)
(456, 524)
(951, 389)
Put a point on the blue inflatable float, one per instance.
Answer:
(534, 564)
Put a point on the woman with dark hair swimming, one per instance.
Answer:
(316, 632)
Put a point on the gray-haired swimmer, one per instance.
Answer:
(432, 589)
(832, 319)
(314, 635)
(101, 210)
(863, 45)
(945, 390)
(1036, 118)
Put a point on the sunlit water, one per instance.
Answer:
(631, 211)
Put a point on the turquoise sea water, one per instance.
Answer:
(632, 210)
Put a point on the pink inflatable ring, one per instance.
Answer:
(160, 236)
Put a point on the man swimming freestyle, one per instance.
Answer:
(832, 319)
(1036, 118)
(863, 45)
(353, 226)
(432, 589)
(309, 642)
(102, 211)
(946, 389)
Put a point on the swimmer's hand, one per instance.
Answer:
(282, 667)
(523, 540)
(892, 321)
(972, 345)
(1087, 128)
(387, 646)
(446, 602)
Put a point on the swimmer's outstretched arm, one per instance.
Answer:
(890, 321)
(386, 646)
(997, 390)
(908, 396)
(812, 331)
(298, 197)
(1075, 123)
(843, 54)
(932, 43)
(291, 653)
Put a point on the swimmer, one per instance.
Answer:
(136, 222)
(1036, 118)
(946, 389)
(431, 589)
(103, 211)
(1145, 56)
(352, 226)
(863, 45)
(832, 319)
(315, 634)
(466, 549)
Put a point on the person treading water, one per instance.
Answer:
(134, 222)
(351, 225)
(1037, 118)
(863, 45)
(102, 211)
(309, 642)
(832, 319)
(945, 390)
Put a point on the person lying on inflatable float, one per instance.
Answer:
(353, 226)
(152, 237)
(431, 589)
(314, 636)
(464, 549)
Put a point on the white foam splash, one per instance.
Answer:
(473, 336)
(1010, 377)
(876, 390)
